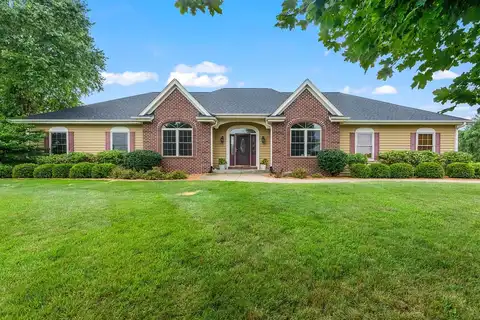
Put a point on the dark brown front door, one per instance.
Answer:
(242, 145)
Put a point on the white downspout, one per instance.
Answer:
(211, 143)
(269, 126)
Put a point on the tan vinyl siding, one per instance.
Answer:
(91, 138)
(397, 137)
(220, 150)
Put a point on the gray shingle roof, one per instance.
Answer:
(245, 101)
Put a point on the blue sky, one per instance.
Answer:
(149, 43)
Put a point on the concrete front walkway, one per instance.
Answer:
(249, 177)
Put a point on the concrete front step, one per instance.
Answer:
(240, 171)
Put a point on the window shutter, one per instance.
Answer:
(376, 145)
(46, 142)
(413, 141)
(71, 142)
(107, 141)
(132, 141)
(352, 142)
(437, 143)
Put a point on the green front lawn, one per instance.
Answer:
(226, 250)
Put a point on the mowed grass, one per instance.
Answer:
(226, 250)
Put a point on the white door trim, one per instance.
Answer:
(257, 142)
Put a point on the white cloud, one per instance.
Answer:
(386, 89)
(205, 75)
(128, 78)
(446, 74)
(240, 84)
(349, 90)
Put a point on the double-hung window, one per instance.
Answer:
(120, 137)
(177, 139)
(425, 139)
(305, 139)
(58, 140)
(365, 142)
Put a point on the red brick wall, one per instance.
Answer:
(177, 108)
(306, 108)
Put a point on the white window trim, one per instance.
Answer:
(120, 130)
(305, 142)
(56, 130)
(427, 131)
(366, 130)
(177, 140)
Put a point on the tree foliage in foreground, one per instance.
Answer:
(469, 139)
(429, 35)
(48, 60)
(19, 142)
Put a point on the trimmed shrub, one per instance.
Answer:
(455, 156)
(43, 171)
(111, 156)
(411, 157)
(81, 170)
(401, 171)
(299, 173)
(360, 170)
(154, 175)
(379, 170)
(102, 170)
(142, 160)
(5, 171)
(317, 175)
(460, 170)
(128, 174)
(332, 161)
(476, 168)
(52, 159)
(176, 175)
(61, 170)
(79, 157)
(356, 158)
(24, 170)
(429, 170)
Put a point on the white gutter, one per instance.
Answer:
(404, 122)
(241, 116)
(75, 121)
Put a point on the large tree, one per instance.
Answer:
(48, 60)
(429, 35)
(470, 139)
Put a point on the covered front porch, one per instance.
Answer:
(243, 144)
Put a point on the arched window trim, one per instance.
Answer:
(57, 130)
(366, 130)
(305, 127)
(426, 131)
(120, 130)
(179, 126)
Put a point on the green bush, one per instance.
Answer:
(317, 175)
(360, 170)
(142, 160)
(24, 170)
(299, 173)
(332, 161)
(401, 171)
(102, 170)
(356, 158)
(379, 170)
(476, 168)
(411, 157)
(73, 157)
(79, 157)
(176, 175)
(52, 159)
(5, 171)
(61, 170)
(81, 170)
(128, 174)
(455, 156)
(155, 175)
(429, 170)
(43, 171)
(460, 170)
(111, 156)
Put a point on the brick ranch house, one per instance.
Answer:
(193, 130)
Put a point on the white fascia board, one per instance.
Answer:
(240, 115)
(404, 122)
(74, 121)
(308, 85)
(174, 84)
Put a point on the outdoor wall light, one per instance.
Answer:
(222, 139)
(263, 140)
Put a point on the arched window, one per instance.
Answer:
(426, 139)
(58, 140)
(365, 142)
(177, 139)
(120, 138)
(305, 139)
